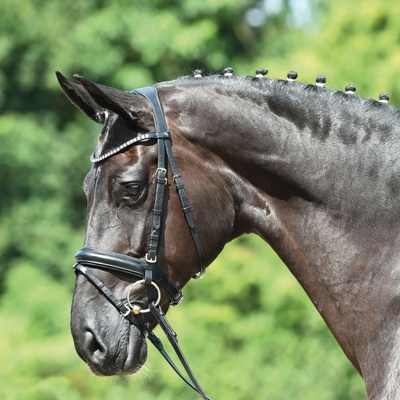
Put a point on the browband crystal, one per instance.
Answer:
(137, 139)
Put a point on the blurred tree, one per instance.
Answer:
(348, 42)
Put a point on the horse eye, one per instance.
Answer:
(131, 190)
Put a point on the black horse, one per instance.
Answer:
(314, 172)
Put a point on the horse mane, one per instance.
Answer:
(251, 84)
(305, 103)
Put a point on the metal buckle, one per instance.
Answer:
(176, 177)
(128, 310)
(177, 302)
(151, 260)
(159, 171)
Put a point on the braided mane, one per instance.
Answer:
(303, 103)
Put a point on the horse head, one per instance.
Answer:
(121, 190)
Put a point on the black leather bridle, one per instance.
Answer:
(145, 270)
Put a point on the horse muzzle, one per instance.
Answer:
(105, 339)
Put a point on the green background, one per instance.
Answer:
(248, 329)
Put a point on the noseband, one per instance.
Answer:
(145, 270)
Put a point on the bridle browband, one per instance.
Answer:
(145, 270)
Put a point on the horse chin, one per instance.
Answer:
(123, 352)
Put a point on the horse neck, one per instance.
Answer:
(307, 153)
(265, 135)
(293, 141)
(324, 173)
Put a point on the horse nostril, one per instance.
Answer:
(95, 349)
(94, 345)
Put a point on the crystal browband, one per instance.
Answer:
(130, 142)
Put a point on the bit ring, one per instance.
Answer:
(146, 310)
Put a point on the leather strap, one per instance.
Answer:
(122, 307)
(150, 94)
(173, 339)
(165, 147)
(187, 211)
(128, 265)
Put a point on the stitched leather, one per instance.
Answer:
(122, 263)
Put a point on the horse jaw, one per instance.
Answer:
(103, 338)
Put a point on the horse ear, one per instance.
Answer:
(93, 98)
(130, 107)
(80, 97)
(109, 98)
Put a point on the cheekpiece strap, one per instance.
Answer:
(165, 150)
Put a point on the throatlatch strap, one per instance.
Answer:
(187, 211)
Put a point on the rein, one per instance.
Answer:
(146, 270)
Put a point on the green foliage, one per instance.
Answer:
(41, 199)
(349, 42)
(248, 328)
